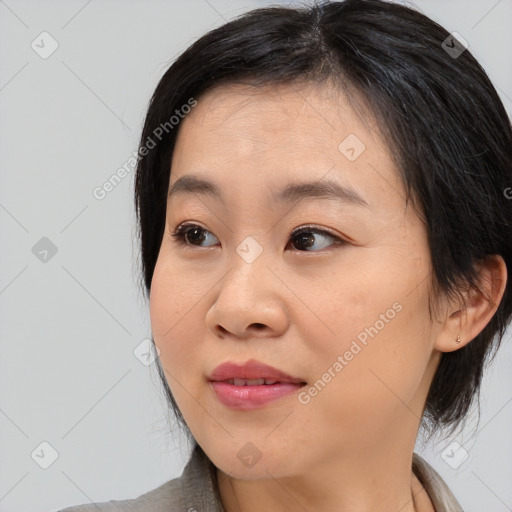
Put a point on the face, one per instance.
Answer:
(342, 305)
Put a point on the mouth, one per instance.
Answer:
(252, 373)
(252, 384)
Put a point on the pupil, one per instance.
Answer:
(307, 240)
(195, 238)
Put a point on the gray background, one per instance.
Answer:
(70, 323)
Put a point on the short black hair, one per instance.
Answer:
(439, 114)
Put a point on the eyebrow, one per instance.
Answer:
(324, 189)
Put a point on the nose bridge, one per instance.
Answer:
(248, 270)
(249, 294)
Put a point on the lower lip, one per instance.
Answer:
(252, 397)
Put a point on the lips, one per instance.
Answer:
(252, 385)
(251, 373)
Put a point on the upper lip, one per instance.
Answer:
(251, 370)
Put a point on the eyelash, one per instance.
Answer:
(182, 230)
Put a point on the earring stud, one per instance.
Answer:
(458, 340)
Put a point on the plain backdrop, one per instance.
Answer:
(82, 417)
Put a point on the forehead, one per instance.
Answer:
(314, 112)
(275, 134)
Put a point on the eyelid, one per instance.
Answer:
(314, 228)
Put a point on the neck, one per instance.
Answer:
(377, 477)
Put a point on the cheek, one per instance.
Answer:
(177, 313)
(162, 304)
(378, 323)
(171, 306)
(381, 367)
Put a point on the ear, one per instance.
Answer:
(469, 319)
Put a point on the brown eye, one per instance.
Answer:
(307, 236)
(190, 234)
(303, 239)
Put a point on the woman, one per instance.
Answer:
(325, 238)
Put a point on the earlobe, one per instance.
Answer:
(467, 321)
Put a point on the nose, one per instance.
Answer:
(249, 302)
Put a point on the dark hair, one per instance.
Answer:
(438, 112)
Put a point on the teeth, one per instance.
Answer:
(239, 382)
(251, 382)
(254, 382)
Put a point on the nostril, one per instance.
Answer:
(258, 326)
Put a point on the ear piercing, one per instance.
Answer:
(458, 340)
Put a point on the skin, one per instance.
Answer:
(297, 308)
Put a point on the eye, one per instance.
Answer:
(305, 237)
(192, 234)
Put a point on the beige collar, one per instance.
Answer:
(420, 497)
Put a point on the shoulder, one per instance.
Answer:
(167, 497)
(436, 488)
(194, 491)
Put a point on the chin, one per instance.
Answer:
(233, 467)
(244, 461)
